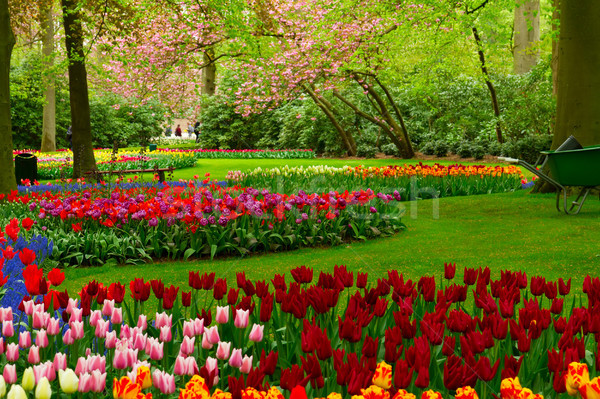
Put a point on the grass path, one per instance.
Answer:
(502, 231)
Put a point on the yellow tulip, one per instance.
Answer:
(28, 379)
(577, 375)
(43, 389)
(2, 387)
(69, 382)
(16, 392)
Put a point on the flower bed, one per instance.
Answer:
(202, 153)
(336, 334)
(57, 165)
(412, 181)
(140, 224)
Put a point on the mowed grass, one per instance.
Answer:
(516, 231)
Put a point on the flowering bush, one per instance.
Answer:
(139, 224)
(411, 181)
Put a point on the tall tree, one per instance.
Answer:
(83, 151)
(578, 94)
(7, 42)
(526, 35)
(49, 124)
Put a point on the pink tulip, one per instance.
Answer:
(212, 335)
(108, 306)
(40, 319)
(142, 322)
(212, 366)
(188, 329)
(2, 346)
(256, 335)
(246, 364)
(94, 317)
(191, 366)
(77, 329)
(164, 382)
(155, 350)
(6, 314)
(28, 307)
(76, 315)
(236, 358)
(101, 328)
(85, 383)
(187, 345)
(60, 361)
(223, 350)
(162, 319)
(53, 326)
(34, 355)
(198, 326)
(205, 342)
(10, 373)
(241, 318)
(44, 370)
(68, 338)
(41, 338)
(125, 332)
(94, 382)
(12, 352)
(139, 342)
(111, 340)
(132, 357)
(165, 334)
(7, 328)
(179, 368)
(81, 366)
(120, 359)
(96, 362)
(72, 304)
(222, 314)
(24, 339)
(117, 316)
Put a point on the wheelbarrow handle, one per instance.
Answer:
(509, 160)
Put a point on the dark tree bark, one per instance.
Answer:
(327, 109)
(7, 42)
(578, 94)
(83, 151)
(555, 30)
(209, 73)
(49, 122)
(489, 84)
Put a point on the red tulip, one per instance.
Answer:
(219, 289)
(298, 392)
(557, 306)
(511, 367)
(194, 280)
(538, 285)
(186, 299)
(232, 296)
(470, 276)
(426, 287)
(302, 274)
(564, 289)
(140, 290)
(550, 290)
(449, 270)
(170, 296)
(370, 347)
(485, 371)
(56, 277)
(268, 363)
(27, 256)
(453, 373)
(158, 288)
(116, 291)
(27, 223)
(361, 280)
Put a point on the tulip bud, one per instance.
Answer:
(236, 358)
(222, 314)
(28, 381)
(246, 364)
(241, 318)
(256, 335)
(68, 381)
(16, 392)
(10, 373)
(43, 389)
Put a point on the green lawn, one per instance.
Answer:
(502, 231)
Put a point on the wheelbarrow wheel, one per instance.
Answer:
(576, 205)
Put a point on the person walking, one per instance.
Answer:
(190, 130)
(197, 131)
(178, 131)
(70, 137)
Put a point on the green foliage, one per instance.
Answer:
(27, 102)
(527, 148)
(126, 122)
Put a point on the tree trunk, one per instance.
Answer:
(7, 41)
(327, 108)
(527, 35)
(49, 121)
(489, 84)
(555, 32)
(83, 151)
(209, 73)
(578, 95)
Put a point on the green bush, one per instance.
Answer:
(441, 148)
(390, 149)
(464, 150)
(527, 148)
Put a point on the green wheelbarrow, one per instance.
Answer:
(578, 167)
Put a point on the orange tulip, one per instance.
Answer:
(431, 395)
(466, 393)
(143, 377)
(591, 390)
(383, 376)
(375, 392)
(125, 389)
(402, 394)
(577, 375)
(218, 394)
(510, 388)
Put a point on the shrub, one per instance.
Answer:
(366, 150)
(390, 149)
(441, 148)
(464, 150)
